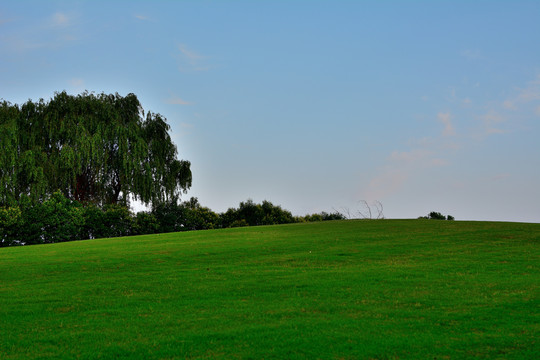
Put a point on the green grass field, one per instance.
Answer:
(388, 289)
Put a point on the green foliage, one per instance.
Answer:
(94, 148)
(199, 217)
(117, 220)
(94, 226)
(239, 223)
(252, 214)
(57, 219)
(434, 215)
(332, 216)
(11, 222)
(145, 223)
(313, 217)
(323, 216)
(170, 216)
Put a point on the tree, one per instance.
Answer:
(93, 148)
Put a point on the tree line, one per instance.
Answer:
(60, 219)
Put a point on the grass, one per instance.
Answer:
(390, 289)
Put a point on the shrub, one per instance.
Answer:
(57, 219)
(117, 220)
(434, 215)
(239, 223)
(332, 216)
(145, 223)
(10, 223)
(170, 216)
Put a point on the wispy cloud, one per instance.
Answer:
(52, 32)
(141, 17)
(5, 21)
(531, 93)
(491, 122)
(175, 100)
(471, 54)
(416, 158)
(60, 19)
(409, 156)
(446, 119)
(384, 184)
(190, 60)
(77, 82)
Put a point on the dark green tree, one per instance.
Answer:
(93, 148)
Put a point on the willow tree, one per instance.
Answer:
(93, 148)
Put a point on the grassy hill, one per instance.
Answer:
(389, 289)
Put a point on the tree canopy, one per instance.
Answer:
(93, 148)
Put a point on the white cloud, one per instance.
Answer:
(445, 118)
(529, 94)
(77, 82)
(509, 104)
(471, 54)
(491, 121)
(190, 60)
(60, 20)
(416, 158)
(175, 100)
(410, 156)
(385, 184)
(51, 32)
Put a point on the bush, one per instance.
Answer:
(333, 216)
(117, 220)
(57, 219)
(254, 214)
(239, 223)
(313, 217)
(170, 216)
(93, 227)
(202, 218)
(10, 222)
(436, 216)
(145, 223)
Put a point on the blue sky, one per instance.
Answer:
(312, 105)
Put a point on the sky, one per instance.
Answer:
(312, 105)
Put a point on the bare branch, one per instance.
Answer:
(366, 213)
(377, 204)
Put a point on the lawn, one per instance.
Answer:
(384, 289)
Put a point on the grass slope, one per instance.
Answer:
(390, 289)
